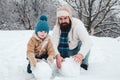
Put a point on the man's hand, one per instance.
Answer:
(78, 58)
(59, 60)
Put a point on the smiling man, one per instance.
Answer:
(70, 38)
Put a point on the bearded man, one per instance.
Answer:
(70, 38)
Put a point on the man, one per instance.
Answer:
(70, 38)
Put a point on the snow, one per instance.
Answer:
(104, 61)
(42, 68)
(72, 71)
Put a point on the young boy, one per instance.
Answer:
(40, 45)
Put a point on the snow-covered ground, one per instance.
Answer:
(104, 61)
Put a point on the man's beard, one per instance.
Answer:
(65, 26)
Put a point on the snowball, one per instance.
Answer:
(42, 71)
(70, 68)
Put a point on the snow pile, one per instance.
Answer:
(104, 60)
(70, 68)
(42, 71)
(118, 39)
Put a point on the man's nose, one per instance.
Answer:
(63, 21)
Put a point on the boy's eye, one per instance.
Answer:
(45, 32)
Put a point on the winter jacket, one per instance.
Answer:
(37, 47)
(77, 33)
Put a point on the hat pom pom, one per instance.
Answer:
(43, 18)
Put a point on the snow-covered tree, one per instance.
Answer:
(23, 14)
(4, 13)
(29, 11)
(97, 15)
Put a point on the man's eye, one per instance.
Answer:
(60, 18)
(65, 18)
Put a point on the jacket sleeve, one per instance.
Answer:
(51, 51)
(84, 38)
(30, 51)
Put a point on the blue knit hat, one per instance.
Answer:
(42, 24)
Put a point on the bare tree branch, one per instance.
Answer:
(96, 15)
(111, 29)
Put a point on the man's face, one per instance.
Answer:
(65, 23)
(63, 20)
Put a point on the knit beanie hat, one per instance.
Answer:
(64, 11)
(42, 24)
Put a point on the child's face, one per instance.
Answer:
(42, 34)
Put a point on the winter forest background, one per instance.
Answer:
(101, 17)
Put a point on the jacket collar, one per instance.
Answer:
(34, 35)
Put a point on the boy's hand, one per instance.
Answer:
(59, 60)
(50, 59)
(38, 60)
(33, 63)
(32, 59)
